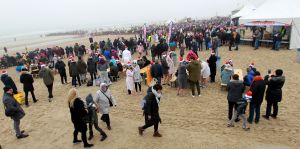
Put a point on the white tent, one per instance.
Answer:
(247, 9)
(277, 13)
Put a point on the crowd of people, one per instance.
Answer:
(106, 60)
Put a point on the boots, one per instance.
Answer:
(104, 136)
(157, 134)
(91, 135)
(88, 145)
(141, 130)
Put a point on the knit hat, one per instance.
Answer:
(251, 65)
(248, 95)
(213, 52)
(4, 72)
(181, 59)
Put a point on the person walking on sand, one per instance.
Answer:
(274, 93)
(61, 67)
(194, 68)
(105, 100)
(151, 110)
(78, 111)
(14, 111)
(93, 109)
(48, 79)
(27, 80)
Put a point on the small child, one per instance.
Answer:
(92, 112)
(240, 110)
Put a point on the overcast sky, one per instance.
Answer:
(20, 16)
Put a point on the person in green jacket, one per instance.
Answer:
(48, 79)
(194, 74)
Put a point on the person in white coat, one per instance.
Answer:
(104, 100)
(126, 55)
(129, 79)
(137, 78)
(171, 67)
(205, 71)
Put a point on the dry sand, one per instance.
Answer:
(186, 122)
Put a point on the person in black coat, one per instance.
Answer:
(7, 81)
(157, 71)
(78, 112)
(235, 89)
(73, 69)
(151, 110)
(274, 92)
(92, 68)
(61, 67)
(27, 80)
(212, 62)
(257, 88)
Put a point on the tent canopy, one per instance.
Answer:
(280, 12)
(247, 9)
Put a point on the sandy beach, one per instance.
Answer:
(186, 122)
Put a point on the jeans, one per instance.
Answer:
(277, 45)
(256, 43)
(50, 88)
(26, 96)
(234, 116)
(231, 105)
(158, 80)
(63, 76)
(17, 127)
(192, 86)
(256, 108)
(269, 108)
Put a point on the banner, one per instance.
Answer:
(145, 34)
(170, 31)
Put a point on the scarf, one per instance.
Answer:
(256, 78)
(157, 95)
